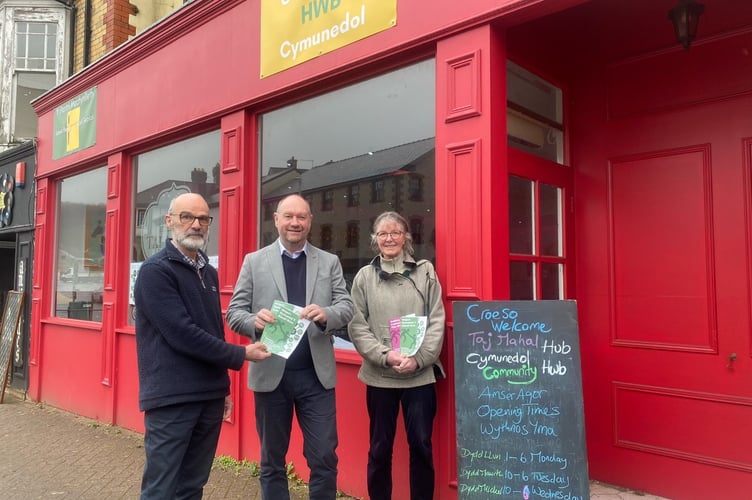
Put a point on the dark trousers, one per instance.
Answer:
(315, 408)
(180, 442)
(418, 410)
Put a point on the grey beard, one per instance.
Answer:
(191, 243)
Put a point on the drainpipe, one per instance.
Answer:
(72, 42)
(87, 33)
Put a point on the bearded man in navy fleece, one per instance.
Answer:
(183, 357)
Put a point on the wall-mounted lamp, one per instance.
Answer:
(685, 16)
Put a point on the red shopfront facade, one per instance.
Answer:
(647, 149)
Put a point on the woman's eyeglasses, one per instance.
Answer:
(383, 235)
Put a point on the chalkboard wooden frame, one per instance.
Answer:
(8, 334)
(518, 401)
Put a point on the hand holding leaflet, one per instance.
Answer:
(408, 333)
(282, 336)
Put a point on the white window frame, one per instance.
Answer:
(12, 12)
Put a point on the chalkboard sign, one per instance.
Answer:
(520, 421)
(11, 316)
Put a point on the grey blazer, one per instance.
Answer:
(262, 280)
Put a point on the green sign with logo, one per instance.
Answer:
(75, 126)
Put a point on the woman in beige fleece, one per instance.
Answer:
(392, 286)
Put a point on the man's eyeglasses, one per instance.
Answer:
(394, 234)
(187, 218)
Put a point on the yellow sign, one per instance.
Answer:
(72, 121)
(295, 31)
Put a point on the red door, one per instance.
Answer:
(664, 293)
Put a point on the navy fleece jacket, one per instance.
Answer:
(180, 341)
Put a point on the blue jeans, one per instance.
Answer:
(418, 410)
(315, 408)
(180, 442)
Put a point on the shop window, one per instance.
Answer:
(535, 240)
(159, 176)
(353, 234)
(353, 195)
(327, 200)
(534, 114)
(80, 249)
(389, 116)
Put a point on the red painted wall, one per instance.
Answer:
(630, 93)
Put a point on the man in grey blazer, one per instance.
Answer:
(292, 270)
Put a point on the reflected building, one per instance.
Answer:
(347, 195)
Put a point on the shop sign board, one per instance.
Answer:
(295, 31)
(75, 124)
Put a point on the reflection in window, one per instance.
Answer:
(552, 281)
(535, 240)
(415, 188)
(353, 234)
(520, 215)
(326, 236)
(377, 191)
(81, 246)
(327, 200)
(160, 175)
(269, 209)
(140, 213)
(534, 114)
(353, 195)
(550, 219)
(386, 133)
(521, 280)
(416, 230)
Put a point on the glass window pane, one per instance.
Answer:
(521, 218)
(552, 283)
(533, 93)
(376, 153)
(521, 280)
(189, 166)
(534, 114)
(29, 86)
(549, 203)
(20, 46)
(50, 49)
(81, 246)
(36, 46)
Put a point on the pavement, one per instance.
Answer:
(49, 453)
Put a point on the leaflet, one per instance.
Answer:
(408, 333)
(284, 335)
